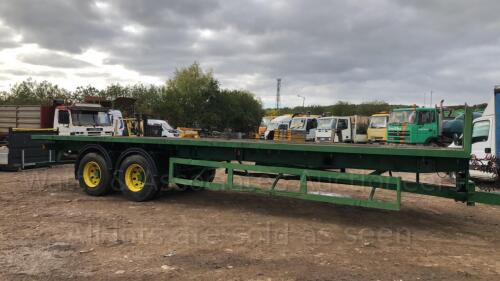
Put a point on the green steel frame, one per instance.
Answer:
(306, 163)
(374, 181)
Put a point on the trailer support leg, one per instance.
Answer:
(22, 159)
(372, 193)
(200, 173)
(276, 181)
(303, 183)
(230, 178)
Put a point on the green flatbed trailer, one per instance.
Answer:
(141, 166)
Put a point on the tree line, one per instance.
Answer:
(341, 108)
(192, 98)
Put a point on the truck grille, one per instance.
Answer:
(94, 131)
(398, 136)
(398, 133)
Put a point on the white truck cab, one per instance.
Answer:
(82, 120)
(328, 126)
(484, 140)
(306, 125)
(341, 129)
(167, 130)
(281, 122)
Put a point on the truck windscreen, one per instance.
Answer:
(298, 124)
(403, 116)
(90, 118)
(327, 123)
(378, 122)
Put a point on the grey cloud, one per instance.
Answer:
(42, 73)
(391, 50)
(17, 72)
(53, 60)
(168, 14)
(7, 38)
(57, 24)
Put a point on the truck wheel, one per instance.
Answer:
(135, 178)
(93, 175)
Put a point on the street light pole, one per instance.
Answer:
(303, 100)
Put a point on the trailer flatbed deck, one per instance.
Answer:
(140, 166)
(393, 149)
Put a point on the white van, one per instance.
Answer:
(167, 130)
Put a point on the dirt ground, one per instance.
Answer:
(49, 229)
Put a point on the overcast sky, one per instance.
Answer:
(356, 50)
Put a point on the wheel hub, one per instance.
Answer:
(92, 174)
(135, 177)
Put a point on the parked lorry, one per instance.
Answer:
(77, 119)
(417, 125)
(342, 129)
(377, 128)
(19, 122)
(486, 142)
(141, 167)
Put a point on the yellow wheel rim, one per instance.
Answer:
(92, 174)
(135, 177)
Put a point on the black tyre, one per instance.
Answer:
(94, 175)
(136, 180)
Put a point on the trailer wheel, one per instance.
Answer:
(136, 180)
(93, 175)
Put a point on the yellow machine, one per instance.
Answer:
(188, 133)
(377, 130)
(133, 127)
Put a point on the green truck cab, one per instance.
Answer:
(415, 125)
